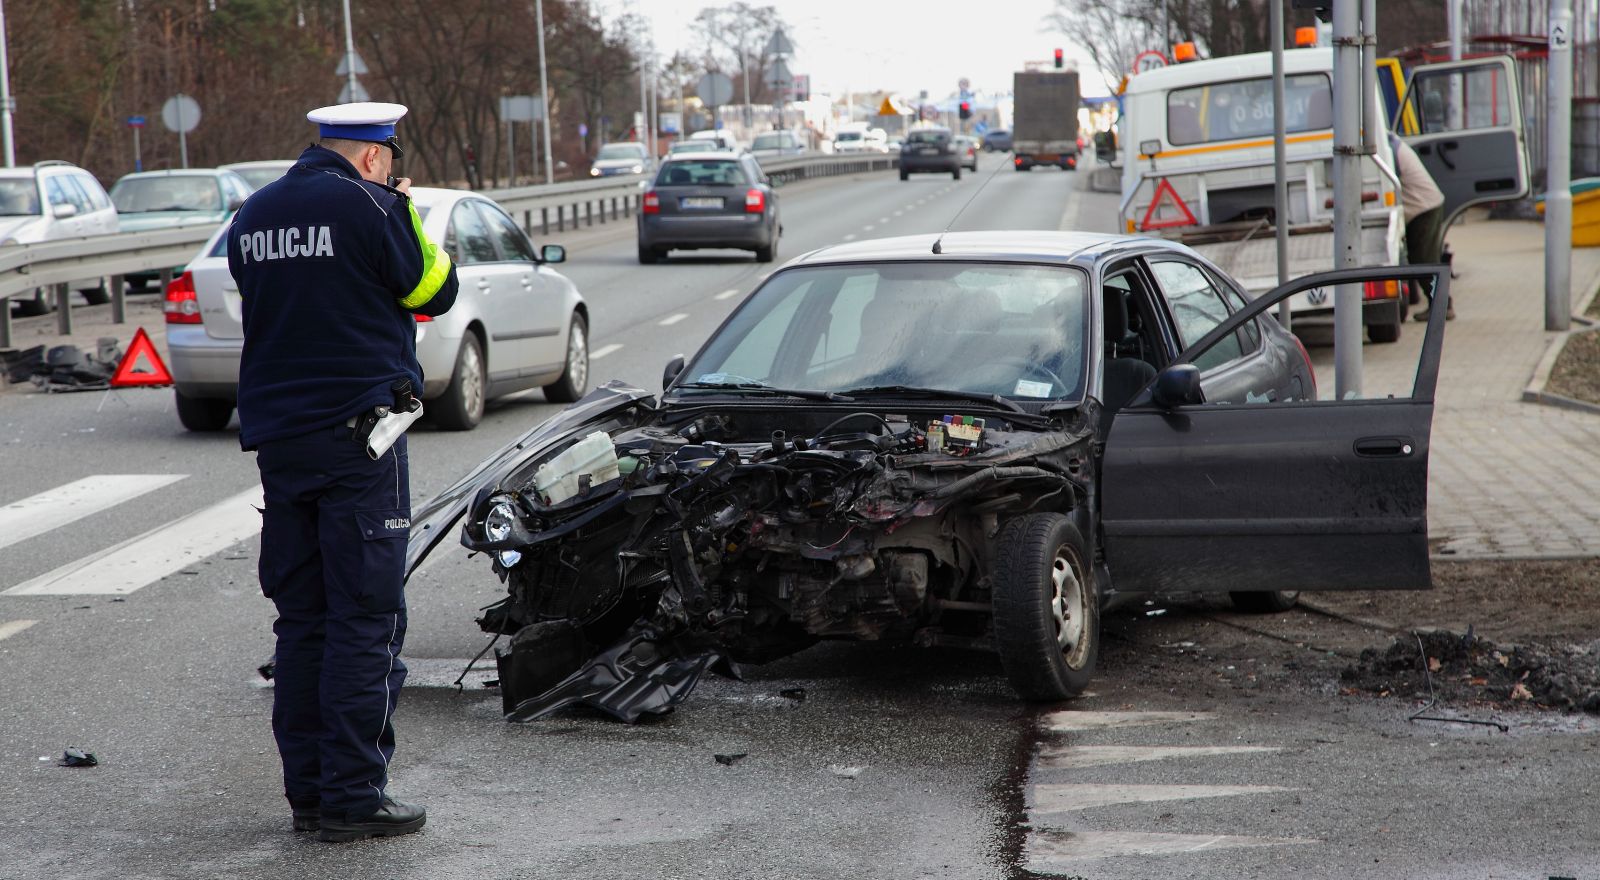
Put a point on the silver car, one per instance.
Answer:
(516, 323)
(261, 172)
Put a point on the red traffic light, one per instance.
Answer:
(966, 110)
(1060, 62)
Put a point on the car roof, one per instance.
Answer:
(698, 155)
(1021, 246)
(173, 172)
(261, 163)
(1248, 66)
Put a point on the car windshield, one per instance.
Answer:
(141, 195)
(259, 177)
(770, 141)
(619, 151)
(1019, 331)
(18, 198)
(702, 172)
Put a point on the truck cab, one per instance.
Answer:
(1197, 165)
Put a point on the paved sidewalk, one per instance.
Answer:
(1509, 478)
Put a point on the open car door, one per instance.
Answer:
(1469, 120)
(1311, 494)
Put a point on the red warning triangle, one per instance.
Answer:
(1163, 190)
(155, 372)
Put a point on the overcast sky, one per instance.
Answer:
(900, 45)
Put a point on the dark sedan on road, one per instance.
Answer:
(709, 200)
(997, 141)
(972, 441)
(930, 150)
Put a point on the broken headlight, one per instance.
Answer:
(501, 520)
(508, 558)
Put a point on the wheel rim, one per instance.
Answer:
(472, 380)
(577, 358)
(1067, 608)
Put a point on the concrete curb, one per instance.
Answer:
(1534, 392)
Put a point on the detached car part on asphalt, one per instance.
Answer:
(975, 449)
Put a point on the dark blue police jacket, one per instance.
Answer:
(331, 269)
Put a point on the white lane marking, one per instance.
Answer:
(867, 228)
(142, 560)
(727, 294)
(1048, 851)
(1073, 757)
(12, 627)
(849, 236)
(899, 212)
(54, 508)
(883, 219)
(604, 350)
(672, 319)
(1069, 720)
(1062, 797)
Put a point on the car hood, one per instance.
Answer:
(147, 220)
(20, 227)
(613, 164)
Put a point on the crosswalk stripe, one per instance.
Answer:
(146, 558)
(1047, 850)
(54, 508)
(1067, 796)
(1074, 757)
(1069, 720)
(12, 627)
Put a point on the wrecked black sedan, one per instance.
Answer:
(973, 442)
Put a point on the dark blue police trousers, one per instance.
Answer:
(333, 545)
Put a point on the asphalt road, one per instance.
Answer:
(899, 763)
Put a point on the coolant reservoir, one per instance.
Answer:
(561, 477)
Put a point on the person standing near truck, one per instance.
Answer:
(1423, 205)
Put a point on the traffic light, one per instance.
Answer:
(966, 110)
(1060, 61)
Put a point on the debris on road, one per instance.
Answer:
(1467, 668)
(269, 668)
(796, 694)
(76, 757)
(67, 368)
(846, 771)
(730, 759)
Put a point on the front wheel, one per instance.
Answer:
(203, 414)
(904, 174)
(574, 379)
(956, 173)
(1265, 602)
(32, 307)
(96, 296)
(647, 255)
(766, 254)
(1046, 607)
(460, 407)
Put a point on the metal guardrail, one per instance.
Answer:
(54, 265)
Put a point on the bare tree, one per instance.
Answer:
(1113, 32)
(734, 38)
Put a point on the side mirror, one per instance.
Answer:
(670, 373)
(1177, 386)
(62, 212)
(552, 253)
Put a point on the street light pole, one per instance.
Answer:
(544, 94)
(1558, 174)
(1280, 156)
(1347, 100)
(349, 52)
(5, 90)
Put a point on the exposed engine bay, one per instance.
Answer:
(643, 546)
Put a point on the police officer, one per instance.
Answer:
(332, 265)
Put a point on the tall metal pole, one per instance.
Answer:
(655, 117)
(1558, 200)
(1347, 325)
(744, 67)
(1456, 82)
(183, 138)
(1372, 126)
(1454, 13)
(349, 54)
(644, 101)
(544, 94)
(5, 89)
(1280, 156)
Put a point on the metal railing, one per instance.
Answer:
(53, 266)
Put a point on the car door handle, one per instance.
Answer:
(1444, 148)
(483, 284)
(1384, 447)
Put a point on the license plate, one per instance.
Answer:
(701, 204)
(928, 151)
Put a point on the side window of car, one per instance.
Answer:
(513, 244)
(96, 193)
(1197, 308)
(56, 192)
(75, 194)
(472, 242)
(1236, 301)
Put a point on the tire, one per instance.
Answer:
(32, 307)
(1382, 333)
(574, 381)
(97, 296)
(1024, 167)
(1047, 647)
(956, 174)
(766, 254)
(647, 255)
(460, 407)
(203, 414)
(904, 174)
(1266, 602)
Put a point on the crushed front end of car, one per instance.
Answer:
(643, 546)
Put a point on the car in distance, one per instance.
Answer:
(701, 146)
(516, 323)
(997, 140)
(777, 144)
(715, 139)
(161, 199)
(621, 158)
(709, 200)
(930, 151)
(967, 148)
(262, 172)
(968, 440)
(47, 201)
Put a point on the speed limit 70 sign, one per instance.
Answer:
(1149, 59)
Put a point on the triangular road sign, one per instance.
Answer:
(1163, 190)
(155, 372)
(887, 109)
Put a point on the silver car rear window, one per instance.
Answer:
(702, 172)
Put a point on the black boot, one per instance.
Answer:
(307, 818)
(392, 819)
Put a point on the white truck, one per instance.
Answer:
(1197, 165)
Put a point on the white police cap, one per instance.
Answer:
(362, 121)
